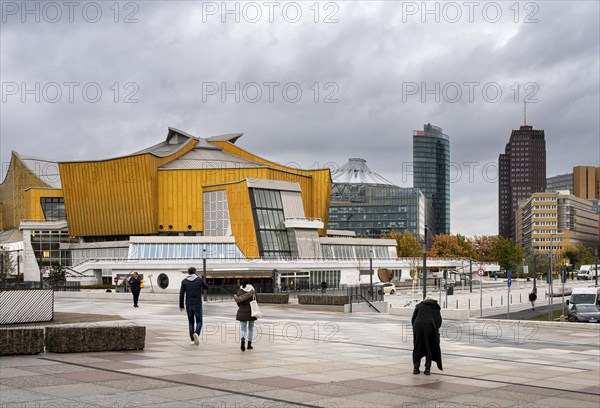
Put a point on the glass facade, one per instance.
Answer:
(185, 251)
(374, 210)
(310, 280)
(53, 208)
(46, 247)
(431, 173)
(336, 251)
(269, 221)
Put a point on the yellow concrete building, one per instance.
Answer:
(184, 186)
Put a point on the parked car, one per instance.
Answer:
(584, 313)
(386, 288)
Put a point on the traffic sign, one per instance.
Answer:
(509, 282)
(509, 274)
(480, 272)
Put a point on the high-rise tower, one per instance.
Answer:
(521, 172)
(431, 169)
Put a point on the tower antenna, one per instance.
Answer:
(525, 113)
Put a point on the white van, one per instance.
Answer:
(589, 295)
(587, 272)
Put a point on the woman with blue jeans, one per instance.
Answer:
(243, 297)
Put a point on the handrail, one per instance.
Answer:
(370, 304)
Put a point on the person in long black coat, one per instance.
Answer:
(426, 322)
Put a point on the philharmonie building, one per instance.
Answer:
(186, 201)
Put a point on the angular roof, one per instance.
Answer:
(46, 170)
(209, 156)
(356, 171)
(176, 139)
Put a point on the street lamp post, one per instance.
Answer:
(596, 256)
(19, 270)
(2, 267)
(470, 274)
(534, 274)
(204, 270)
(371, 273)
(549, 280)
(425, 264)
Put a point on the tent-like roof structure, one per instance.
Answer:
(356, 171)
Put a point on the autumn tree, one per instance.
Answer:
(449, 246)
(482, 247)
(407, 244)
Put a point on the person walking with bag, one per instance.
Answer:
(533, 298)
(426, 322)
(191, 289)
(135, 283)
(243, 297)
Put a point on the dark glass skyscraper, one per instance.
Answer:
(431, 169)
(521, 172)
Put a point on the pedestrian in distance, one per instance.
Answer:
(533, 298)
(426, 322)
(135, 283)
(191, 290)
(323, 287)
(243, 297)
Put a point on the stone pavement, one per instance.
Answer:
(310, 359)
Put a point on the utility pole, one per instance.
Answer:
(596, 256)
(470, 274)
(425, 264)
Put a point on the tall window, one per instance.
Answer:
(53, 208)
(269, 220)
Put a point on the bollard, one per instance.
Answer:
(456, 304)
(469, 305)
(501, 300)
(520, 298)
(511, 299)
(491, 301)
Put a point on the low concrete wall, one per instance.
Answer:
(26, 305)
(332, 300)
(278, 298)
(15, 341)
(78, 339)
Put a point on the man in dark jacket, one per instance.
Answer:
(426, 323)
(135, 282)
(191, 289)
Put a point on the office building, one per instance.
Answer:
(431, 172)
(369, 205)
(586, 182)
(546, 222)
(521, 172)
(562, 182)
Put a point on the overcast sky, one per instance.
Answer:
(309, 84)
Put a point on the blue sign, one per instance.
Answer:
(509, 282)
(509, 274)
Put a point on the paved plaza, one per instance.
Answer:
(309, 359)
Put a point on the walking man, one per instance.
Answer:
(135, 283)
(191, 289)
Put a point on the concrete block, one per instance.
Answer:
(80, 339)
(15, 341)
(334, 300)
(279, 298)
